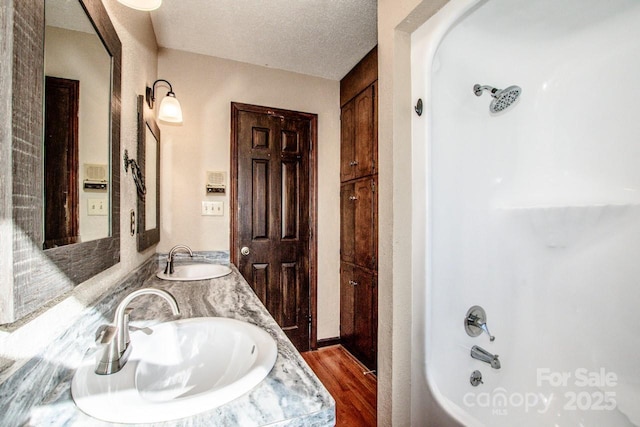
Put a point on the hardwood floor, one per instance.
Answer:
(343, 376)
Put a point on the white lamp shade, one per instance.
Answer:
(146, 5)
(170, 110)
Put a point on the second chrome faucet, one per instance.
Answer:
(169, 268)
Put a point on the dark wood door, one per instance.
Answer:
(272, 218)
(61, 162)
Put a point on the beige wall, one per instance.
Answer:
(139, 66)
(206, 86)
(396, 20)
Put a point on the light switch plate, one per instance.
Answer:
(218, 208)
(97, 207)
(212, 208)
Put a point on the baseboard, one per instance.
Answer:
(326, 342)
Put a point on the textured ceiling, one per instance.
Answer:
(323, 38)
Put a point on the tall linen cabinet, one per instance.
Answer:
(359, 211)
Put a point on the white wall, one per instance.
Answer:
(396, 20)
(206, 86)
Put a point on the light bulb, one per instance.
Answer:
(170, 110)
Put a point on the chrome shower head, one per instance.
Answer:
(502, 98)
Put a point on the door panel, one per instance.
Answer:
(260, 195)
(358, 223)
(347, 306)
(61, 213)
(348, 142)
(272, 218)
(364, 138)
(358, 313)
(290, 208)
(347, 222)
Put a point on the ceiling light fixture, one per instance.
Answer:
(170, 110)
(146, 5)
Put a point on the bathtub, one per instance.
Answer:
(532, 213)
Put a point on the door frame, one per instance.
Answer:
(236, 108)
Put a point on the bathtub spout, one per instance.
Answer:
(483, 355)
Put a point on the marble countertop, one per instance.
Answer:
(291, 395)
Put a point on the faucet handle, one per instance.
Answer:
(484, 327)
(125, 326)
(105, 334)
(476, 322)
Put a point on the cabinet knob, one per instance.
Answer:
(353, 198)
(353, 283)
(353, 163)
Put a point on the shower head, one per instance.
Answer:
(502, 98)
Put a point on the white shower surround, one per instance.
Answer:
(534, 213)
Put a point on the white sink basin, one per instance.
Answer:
(186, 272)
(177, 369)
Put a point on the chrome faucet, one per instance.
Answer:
(115, 338)
(169, 268)
(483, 355)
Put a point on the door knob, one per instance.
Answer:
(245, 251)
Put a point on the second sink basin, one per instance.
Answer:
(196, 271)
(177, 369)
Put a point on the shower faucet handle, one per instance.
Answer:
(475, 322)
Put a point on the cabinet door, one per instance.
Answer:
(365, 136)
(365, 220)
(358, 150)
(358, 223)
(358, 313)
(365, 323)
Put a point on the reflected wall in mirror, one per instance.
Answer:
(77, 67)
(148, 226)
(33, 277)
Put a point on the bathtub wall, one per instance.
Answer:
(533, 213)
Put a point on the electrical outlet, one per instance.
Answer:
(97, 207)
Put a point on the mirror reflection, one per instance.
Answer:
(148, 225)
(77, 127)
(150, 172)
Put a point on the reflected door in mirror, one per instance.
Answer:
(61, 162)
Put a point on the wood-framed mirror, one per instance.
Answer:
(148, 226)
(33, 276)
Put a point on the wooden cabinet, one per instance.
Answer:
(359, 212)
(358, 326)
(358, 150)
(358, 222)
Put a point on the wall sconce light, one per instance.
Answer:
(170, 110)
(145, 5)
